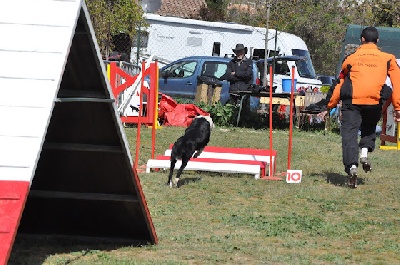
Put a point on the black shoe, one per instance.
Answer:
(352, 178)
(366, 164)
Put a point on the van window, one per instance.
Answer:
(304, 67)
(214, 69)
(260, 53)
(281, 68)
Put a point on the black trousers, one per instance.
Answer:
(355, 118)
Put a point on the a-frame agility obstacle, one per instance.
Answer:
(65, 166)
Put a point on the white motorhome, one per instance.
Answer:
(172, 38)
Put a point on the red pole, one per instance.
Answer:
(270, 120)
(113, 81)
(139, 124)
(154, 94)
(291, 120)
(271, 162)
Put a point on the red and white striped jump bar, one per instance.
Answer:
(222, 159)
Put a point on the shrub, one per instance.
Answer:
(222, 115)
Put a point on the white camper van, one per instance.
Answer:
(171, 38)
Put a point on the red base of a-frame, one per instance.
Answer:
(13, 196)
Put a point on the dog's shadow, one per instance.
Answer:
(340, 180)
(185, 181)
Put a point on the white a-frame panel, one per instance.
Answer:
(36, 35)
(60, 132)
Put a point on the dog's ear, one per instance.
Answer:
(212, 126)
(210, 121)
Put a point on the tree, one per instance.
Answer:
(386, 13)
(214, 11)
(320, 23)
(111, 18)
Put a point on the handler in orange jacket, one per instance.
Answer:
(360, 91)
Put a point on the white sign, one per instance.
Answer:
(390, 125)
(293, 176)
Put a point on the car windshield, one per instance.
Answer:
(304, 67)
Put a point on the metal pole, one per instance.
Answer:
(291, 119)
(266, 45)
(138, 44)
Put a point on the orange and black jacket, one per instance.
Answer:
(365, 72)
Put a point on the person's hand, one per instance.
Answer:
(396, 115)
(322, 115)
(233, 73)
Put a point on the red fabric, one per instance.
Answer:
(282, 111)
(174, 114)
(167, 104)
(341, 75)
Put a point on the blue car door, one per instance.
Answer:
(179, 80)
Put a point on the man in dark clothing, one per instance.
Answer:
(239, 73)
(240, 70)
(360, 91)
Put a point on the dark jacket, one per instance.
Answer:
(243, 74)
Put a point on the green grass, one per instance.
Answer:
(234, 219)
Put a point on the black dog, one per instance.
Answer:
(196, 137)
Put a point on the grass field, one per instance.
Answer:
(234, 219)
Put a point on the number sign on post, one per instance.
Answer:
(293, 176)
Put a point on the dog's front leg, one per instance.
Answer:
(171, 171)
(198, 152)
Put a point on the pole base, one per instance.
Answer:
(278, 176)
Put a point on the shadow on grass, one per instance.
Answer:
(340, 180)
(35, 249)
(185, 181)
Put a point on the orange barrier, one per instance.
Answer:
(118, 75)
(121, 80)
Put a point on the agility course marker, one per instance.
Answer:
(135, 87)
(132, 88)
(271, 172)
(212, 165)
(243, 154)
(291, 120)
(223, 159)
(293, 176)
(278, 176)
